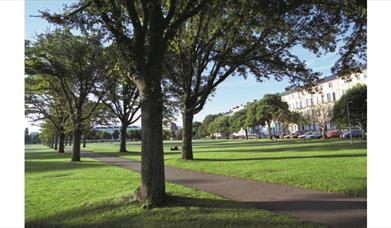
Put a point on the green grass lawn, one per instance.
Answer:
(331, 165)
(60, 193)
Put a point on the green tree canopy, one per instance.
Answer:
(238, 121)
(76, 64)
(220, 125)
(207, 121)
(268, 109)
(356, 98)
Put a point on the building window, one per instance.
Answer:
(301, 105)
(312, 101)
(328, 97)
(334, 98)
(330, 84)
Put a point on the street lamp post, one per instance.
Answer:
(350, 129)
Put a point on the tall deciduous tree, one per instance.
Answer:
(197, 129)
(207, 122)
(241, 37)
(286, 118)
(122, 96)
(268, 110)
(320, 114)
(143, 30)
(238, 121)
(43, 101)
(357, 98)
(221, 125)
(76, 65)
(251, 115)
(101, 116)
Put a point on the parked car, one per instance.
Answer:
(305, 135)
(294, 135)
(333, 134)
(316, 135)
(297, 133)
(356, 133)
(310, 135)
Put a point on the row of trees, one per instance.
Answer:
(159, 51)
(262, 112)
(272, 109)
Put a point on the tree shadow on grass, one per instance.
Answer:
(44, 166)
(182, 211)
(97, 153)
(45, 155)
(136, 217)
(132, 153)
(299, 148)
(177, 211)
(282, 157)
(37, 149)
(310, 142)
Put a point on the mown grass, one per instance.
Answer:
(331, 165)
(60, 193)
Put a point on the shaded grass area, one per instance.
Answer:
(331, 165)
(60, 193)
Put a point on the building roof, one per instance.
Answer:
(323, 80)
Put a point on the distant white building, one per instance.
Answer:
(110, 129)
(330, 89)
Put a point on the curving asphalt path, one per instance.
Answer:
(331, 209)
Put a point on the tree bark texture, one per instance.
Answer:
(187, 134)
(61, 143)
(151, 192)
(77, 137)
(84, 140)
(269, 129)
(52, 142)
(122, 146)
(56, 142)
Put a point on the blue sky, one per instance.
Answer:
(232, 92)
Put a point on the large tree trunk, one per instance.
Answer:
(187, 134)
(151, 192)
(56, 142)
(61, 144)
(84, 140)
(269, 129)
(76, 144)
(77, 137)
(323, 132)
(52, 142)
(124, 127)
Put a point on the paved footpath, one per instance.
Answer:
(331, 209)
